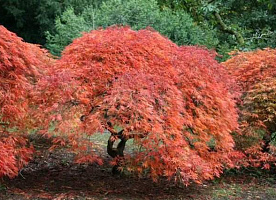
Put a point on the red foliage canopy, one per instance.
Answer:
(20, 66)
(249, 68)
(255, 73)
(172, 100)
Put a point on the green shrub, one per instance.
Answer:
(68, 27)
(138, 14)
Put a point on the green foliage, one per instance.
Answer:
(68, 21)
(3, 188)
(233, 191)
(180, 28)
(138, 14)
(20, 16)
(30, 19)
(129, 13)
(273, 141)
(254, 21)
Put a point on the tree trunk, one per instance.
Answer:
(117, 153)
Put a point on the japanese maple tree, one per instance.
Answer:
(255, 73)
(172, 101)
(21, 64)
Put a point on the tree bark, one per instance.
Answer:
(118, 152)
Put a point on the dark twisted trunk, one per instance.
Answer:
(117, 153)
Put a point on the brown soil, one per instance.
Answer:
(53, 175)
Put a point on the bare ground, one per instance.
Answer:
(53, 175)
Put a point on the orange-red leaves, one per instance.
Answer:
(13, 154)
(21, 66)
(255, 73)
(172, 100)
(250, 68)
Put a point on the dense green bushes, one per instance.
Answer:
(176, 25)
(223, 25)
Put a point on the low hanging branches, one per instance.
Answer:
(255, 73)
(21, 65)
(172, 101)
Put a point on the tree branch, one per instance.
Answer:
(228, 29)
(83, 117)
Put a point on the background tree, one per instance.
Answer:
(68, 27)
(224, 25)
(172, 101)
(256, 75)
(30, 19)
(21, 64)
(178, 26)
(240, 25)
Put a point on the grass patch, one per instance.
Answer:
(227, 191)
(271, 192)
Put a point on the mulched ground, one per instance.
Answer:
(53, 175)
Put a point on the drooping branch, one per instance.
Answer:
(120, 134)
(83, 117)
(228, 29)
